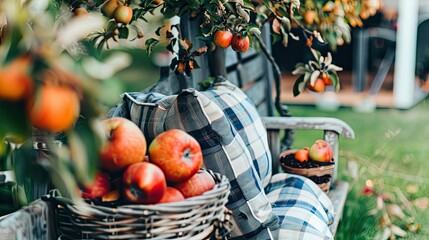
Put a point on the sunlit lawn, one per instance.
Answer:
(391, 150)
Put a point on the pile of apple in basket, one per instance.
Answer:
(315, 162)
(169, 173)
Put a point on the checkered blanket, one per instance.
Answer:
(304, 210)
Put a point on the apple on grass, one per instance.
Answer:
(198, 184)
(125, 145)
(143, 182)
(177, 153)
(99, 187)
(320, 151)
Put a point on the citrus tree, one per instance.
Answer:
(54, 58)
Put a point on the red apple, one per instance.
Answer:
(320, 151)
(126, 144)
(222, 39)
(177, 153)
(171, 195)
(240, 43)
(144, 182)
(99, 187)
(201, 182)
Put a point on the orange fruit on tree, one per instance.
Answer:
(55, 108)
(309, 16)
(319, 85)
(109, 7)
(15, 81)
(181, 67)
(326, 79)
(80, 11)
(123, 14)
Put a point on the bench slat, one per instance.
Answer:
(338, 196)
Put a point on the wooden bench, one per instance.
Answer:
(332, 129)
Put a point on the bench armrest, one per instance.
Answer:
(310, 123)
(332, 128)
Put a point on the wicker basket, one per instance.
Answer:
(192, 218)
(320, 173)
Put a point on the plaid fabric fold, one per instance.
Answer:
(304, 210)
(243, 115)
(223, 150)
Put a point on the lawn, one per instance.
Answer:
(390, 150)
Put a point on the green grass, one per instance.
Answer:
(390, 148)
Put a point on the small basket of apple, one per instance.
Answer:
(165, 194)
(315, 162)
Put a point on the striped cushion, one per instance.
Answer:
(223, 149)
(243, 115)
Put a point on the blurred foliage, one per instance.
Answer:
(86, 47)
(318, 22)
(42, 44)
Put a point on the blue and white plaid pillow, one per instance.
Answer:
(223, 149)
(243, 115)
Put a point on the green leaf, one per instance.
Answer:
(139, 13)
(30, 168)
(169, 12)
(150, 45)
(194, 3)
(175, 26)
(14, 119)
(170, 46)
(276, 37)
(158, 30)
(169, 34)
(5, 155)
(123, 32)
(299, 86)
(174, 63)
(266, 3)
(285, 38)
(383, 234)
(91, 48)
(196, 66)
(335, 81)
(85, 143)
